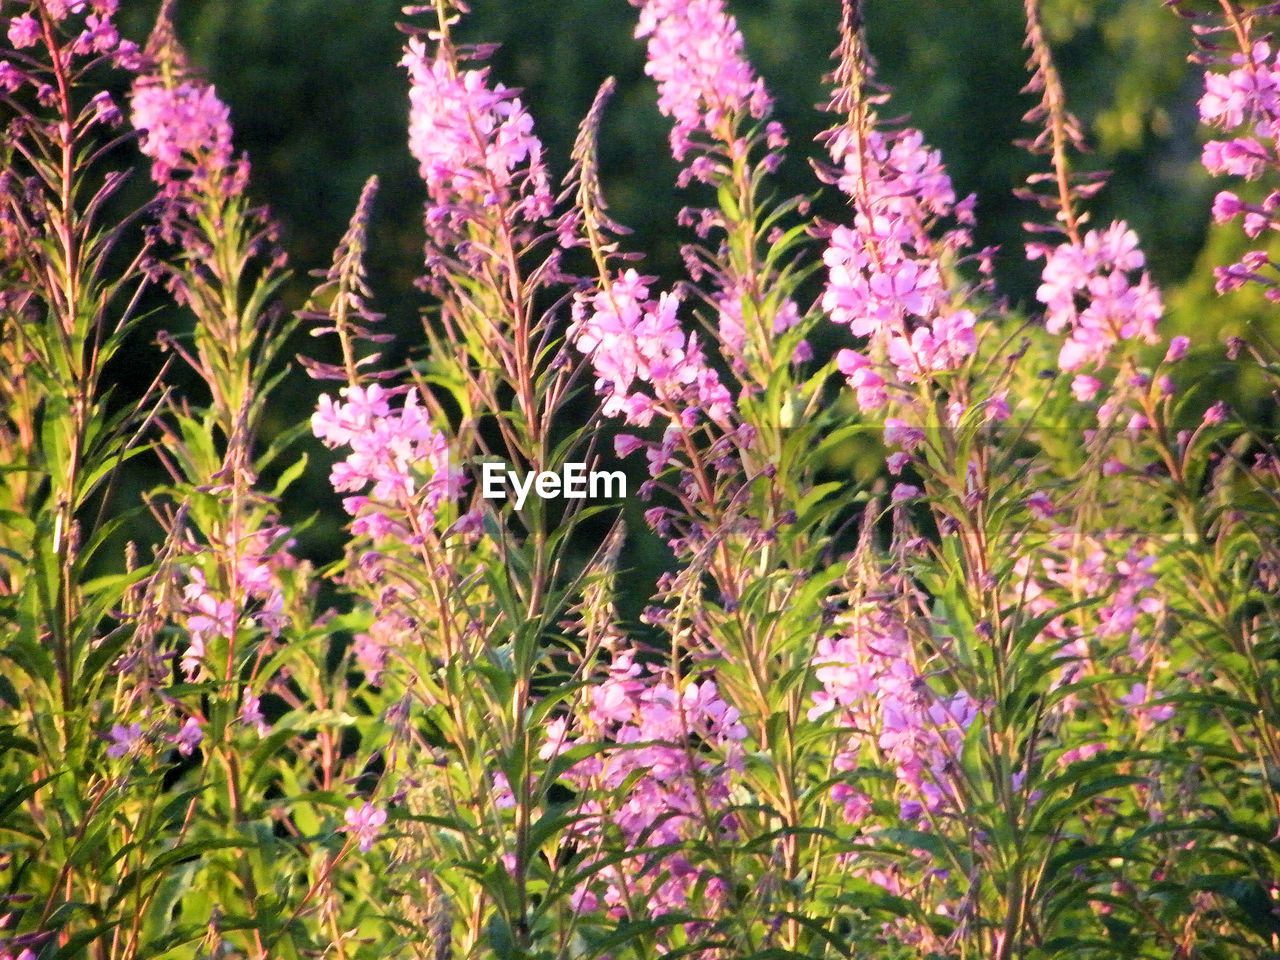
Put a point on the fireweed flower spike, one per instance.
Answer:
(223, 266)
(186, 133)
(648, 724)
(705, 84)
(632, 340)
(399, 452)
(186, 129)
(869, 684)
(492, 252)
(719, 109)
(477, 155)
(884, 272)
(1090, 294)
(650, 367)
(1093, 284)
(1241, 105)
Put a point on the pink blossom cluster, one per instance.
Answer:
(1248, 96)
(1119, 572)
(97, 36)
(705, 84)
(1245, 100)
(883, 275)
(1089, 292)
(632, 339)
(405, 459)
(894, 174)
(872, 689)
(371, 647)
(474, 145)
(186, 129)
(254, 599)
(670, 757)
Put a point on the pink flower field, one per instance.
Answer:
(1013, 693)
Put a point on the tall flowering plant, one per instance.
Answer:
(975, 706)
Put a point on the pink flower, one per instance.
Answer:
(676, 751)
(883, 277)
(1226, 206)
(900, 433)
(399, 452)
(1085, 388)
(1242, 157)
(105, 110)
(1089, 294)
(1255, 223)
(873, 693)
(24, 31)
(184, 127)
(1249, 92)
(955, 338)
(695, 53)
(123, 739)
(871, 281)
(868, 386)
(474, 145)
(625, 444)
(631, 340)
(1177, 349)
(59, 9)
(251, 713)
(98, 36)
(902, 492)
(11, 78)
(366, 823)
(338, 423)
(189, 737)
(895, 174)
(1217, 413)
(209, 618)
